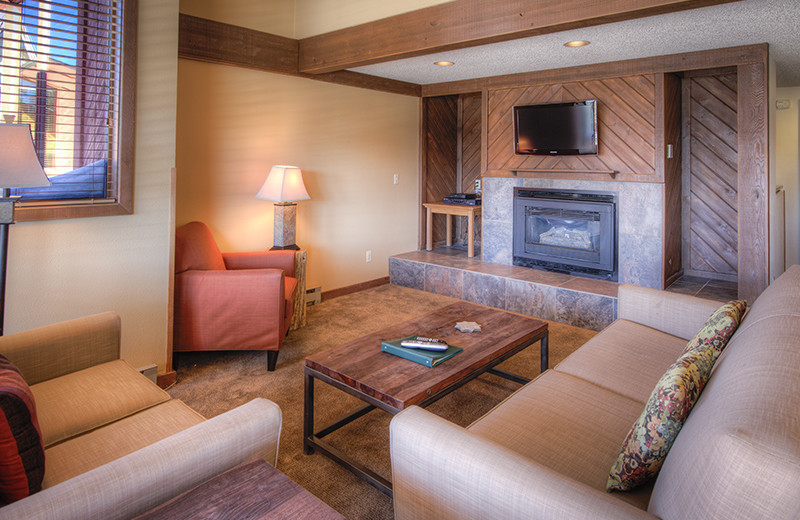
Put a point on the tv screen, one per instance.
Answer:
(556, 129)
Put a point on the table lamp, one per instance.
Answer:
(19, 168)
(284, 185)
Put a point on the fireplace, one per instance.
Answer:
(572, 232)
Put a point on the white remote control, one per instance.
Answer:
(425, 344)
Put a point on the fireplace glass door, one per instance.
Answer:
(569, 233)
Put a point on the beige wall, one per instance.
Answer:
(272, 16)
(788, 167)
(233, 124)
(299, 18)
(314, 17)
(65, 269)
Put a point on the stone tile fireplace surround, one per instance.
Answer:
(639, 210)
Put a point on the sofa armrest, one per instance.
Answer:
(279, 259)
(149, 477)
(441, 471)
(674, 313)
(55, 350)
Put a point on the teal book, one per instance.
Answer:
(429, 358)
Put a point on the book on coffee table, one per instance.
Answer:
(429, 358)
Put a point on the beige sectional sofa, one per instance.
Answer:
(546, 451)
(116, 445)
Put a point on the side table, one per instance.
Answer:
(299, 317)
(251, 491)
(451, 209)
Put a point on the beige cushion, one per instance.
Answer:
(738, 455)
(565, 424)
(677, 314)
(779, 299)
(84, 400)
(626, 357)
(55, 350)
(440, 471)
(85, 452)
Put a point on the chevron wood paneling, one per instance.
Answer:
(470, 141)
(710, 245)
(470, 154)
(626, 125)
(672, 262)
(441, 138)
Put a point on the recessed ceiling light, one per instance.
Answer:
(576, 43)
(443, 63)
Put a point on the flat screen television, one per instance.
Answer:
(556, 129)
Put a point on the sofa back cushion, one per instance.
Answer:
(21, 451)
(195, 248)
(658, 309)
(738, 454)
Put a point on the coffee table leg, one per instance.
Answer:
(308, 415)
(544, 353)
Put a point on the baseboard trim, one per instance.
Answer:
(673, 278)
(350, 289)
(167, 379)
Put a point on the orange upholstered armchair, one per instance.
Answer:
(230, 301)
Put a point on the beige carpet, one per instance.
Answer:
(213, 382)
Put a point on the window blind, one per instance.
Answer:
(60, 73)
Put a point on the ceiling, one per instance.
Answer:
(776, 22)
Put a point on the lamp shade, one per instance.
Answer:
(19, 166)
(283, 184)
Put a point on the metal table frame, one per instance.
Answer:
(312, 441)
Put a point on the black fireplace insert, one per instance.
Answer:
(572, 231)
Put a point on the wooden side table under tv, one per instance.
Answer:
(451, 209)
(251, 491)
(392, 384)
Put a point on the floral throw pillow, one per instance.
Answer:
(719, 327)
(652, 435)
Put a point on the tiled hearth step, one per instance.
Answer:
(574, 300)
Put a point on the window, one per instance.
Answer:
(67, 69)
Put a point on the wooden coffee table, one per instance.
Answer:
(251, 491)
(391, 383)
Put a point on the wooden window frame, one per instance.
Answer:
(121, 201)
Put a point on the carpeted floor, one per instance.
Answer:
(213, 382)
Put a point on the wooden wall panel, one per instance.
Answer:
(470, 141)
(672, 258)
(440, 133)
(741, 94)
(711, 229)
(469, 156)
(753, 186)
(626, 127)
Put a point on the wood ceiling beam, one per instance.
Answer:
(466, 23)
(205, 40)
